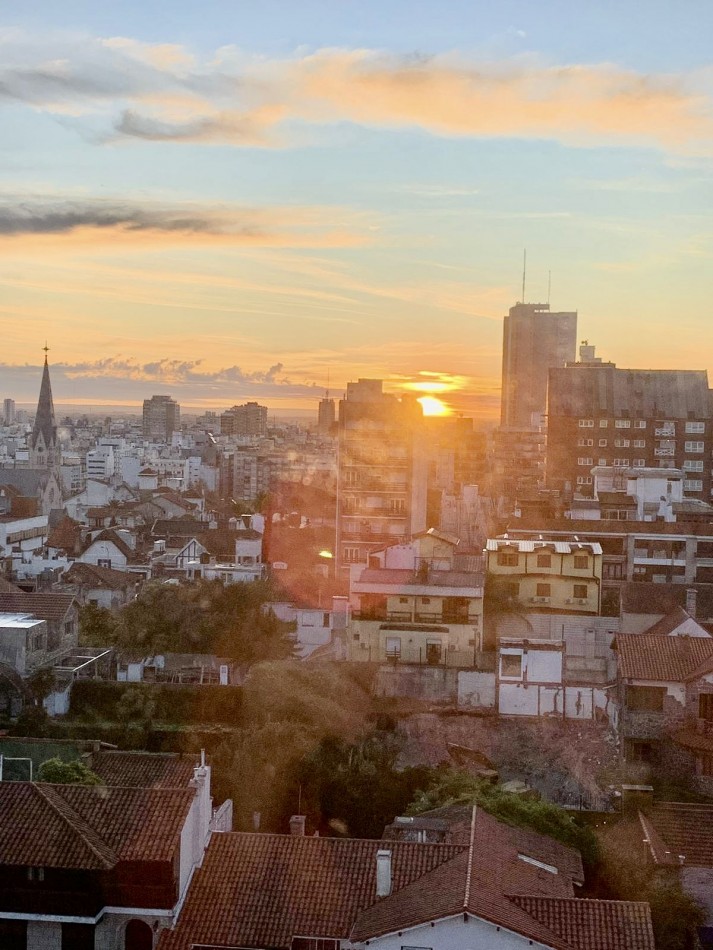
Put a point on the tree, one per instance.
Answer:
(67, 773)
(97, 626)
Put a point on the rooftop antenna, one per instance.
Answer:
(327, 391)
(524, 272)
(549, 286)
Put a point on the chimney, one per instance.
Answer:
(691, 597)
(383, 873)
(297, 825)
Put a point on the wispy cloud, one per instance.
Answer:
(130, 90)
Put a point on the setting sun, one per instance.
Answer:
(433, 406)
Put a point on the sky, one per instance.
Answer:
(254, 199)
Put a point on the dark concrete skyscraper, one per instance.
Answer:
(162, 417)
(534, 342)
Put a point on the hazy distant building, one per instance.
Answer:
(249, 419)
(599, 415)
(162, 417)
(326, 415)
(8, 411)
(382, 471)
(534, 342)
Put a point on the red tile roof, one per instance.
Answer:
(90, 575)
(660, 659)
(261, 890)
(676, 828)
(593, 924)
(666, 625)
(144, 769)
(44, 606)
(89, 827)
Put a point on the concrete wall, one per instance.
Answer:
(476, 690)
(435, 684)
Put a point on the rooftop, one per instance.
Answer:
(661, 659)
(680, 833)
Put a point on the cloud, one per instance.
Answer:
(86, 218)
(161, 92)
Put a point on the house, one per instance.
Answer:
(98, 866)
(109, 549)
(23, 646)
(546, 575)
(501, 888)
(679, 839)
(665, 697)
(643, 604)
(315, 627)
(414, 603)
(59, 611)
(101, 586)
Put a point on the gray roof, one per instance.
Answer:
(671, 394)
(44, 420)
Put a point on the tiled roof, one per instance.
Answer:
(593, 924)
(690, 738)
(92, 576)
(45, 606)
(660, 659)
(143, 769)
(114, 538)
(90, 827)
(261, 890)
(677, 828)
(672, 621)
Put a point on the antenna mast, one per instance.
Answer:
(549, 286)
(524, 272)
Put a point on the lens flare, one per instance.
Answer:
(433, 407)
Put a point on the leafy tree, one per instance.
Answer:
(41, 684)
(455, 787)
(97, 626)
(67, 773)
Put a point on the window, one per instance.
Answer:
(544, 560)
(621, 463)
(639, 443)
(602, 443)
(603, 423)
(602, 461)
(693, 465)
(425, 600)
(507, 559)
(586, 423)
(103, 562)
(639, 463)
(393, 646)
(403, 600)
(511, 665)
(584, 479)
(622, 424)
(692, 484)
(351, 556)
(543, 590)
(645, 698)
(585, 442)
(694, 446)
(581, 562)
(622, 443)
(585, 460)
(639, 423)
(580, 591)
(695, 428)
(705, 706)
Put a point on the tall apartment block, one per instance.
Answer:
(628, 419)
(382, 471)
(326, 415)
(162, 417)
(534, 342)
(249, 419)
(8, 411)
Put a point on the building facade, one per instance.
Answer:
(162, 417)
(249, 419)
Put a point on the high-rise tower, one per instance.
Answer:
(43, 441)
(534, 342)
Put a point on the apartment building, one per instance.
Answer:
(250, 419)
(161, 418)
(546, 574)
(600, 415)
(382, 471)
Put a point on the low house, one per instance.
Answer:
(501, 888)
(665, 693)
(679, 839)
(101, 586)
(315, 627)
(59, 611)
(415, 604)
(109, 549)
(98, 866)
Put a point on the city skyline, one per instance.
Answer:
(238, 205)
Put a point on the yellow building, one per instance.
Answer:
(420, 602)
(564, 576)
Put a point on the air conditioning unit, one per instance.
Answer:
(568, 601)
(582, 600)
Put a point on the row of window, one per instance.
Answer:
(511, 559)
(617, 463)
(692, 428)
(618, 443)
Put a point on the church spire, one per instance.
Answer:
(43, 442)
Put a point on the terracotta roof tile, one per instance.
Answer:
(676, 828)
(44, 606)
(661, 659)
(93, 576)
(92, 827)
(593, 924)
(144, 769)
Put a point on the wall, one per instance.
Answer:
(434, 684)
(455, 933)
(476, 690)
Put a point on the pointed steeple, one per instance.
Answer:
(43, 441)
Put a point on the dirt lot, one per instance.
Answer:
(560, 759)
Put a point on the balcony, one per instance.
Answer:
(665, 452)
(665, 430)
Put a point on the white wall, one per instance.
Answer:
(455, 933)
(476, 690)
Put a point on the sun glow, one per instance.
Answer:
(433, 407)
